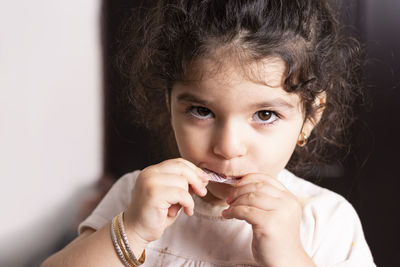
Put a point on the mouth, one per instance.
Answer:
(221, 178)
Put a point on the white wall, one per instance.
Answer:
(50, 119)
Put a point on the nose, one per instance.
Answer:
(229, 141)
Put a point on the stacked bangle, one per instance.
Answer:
(121, 243)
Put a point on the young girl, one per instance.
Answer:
(249, 88)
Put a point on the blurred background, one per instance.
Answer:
(64, 138)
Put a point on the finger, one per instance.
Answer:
(252, 215)
(180, 161)
(182, 171)
(204, 175)
(260, 177)
(186, 182)
(175, 195)
(260, 187)
(257, 200)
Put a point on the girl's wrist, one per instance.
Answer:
(124, 247)
(136, 242)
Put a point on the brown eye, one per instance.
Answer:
(202, 111)
(264, 115)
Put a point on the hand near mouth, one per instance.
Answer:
(275, 215)
(160, 192)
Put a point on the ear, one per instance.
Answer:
(319, 105)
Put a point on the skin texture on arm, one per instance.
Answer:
(91, 248)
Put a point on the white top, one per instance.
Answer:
(331, 231)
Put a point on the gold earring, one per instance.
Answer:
(302, 141)
(322, 103)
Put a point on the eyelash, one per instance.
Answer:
(190, 109)
(274, 115)
(190, 112)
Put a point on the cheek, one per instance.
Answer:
(276, 150)
(192, 143)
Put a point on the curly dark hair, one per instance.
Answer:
(304, 34)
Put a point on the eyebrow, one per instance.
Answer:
(277, 102)
(274, 103)
(187, 97)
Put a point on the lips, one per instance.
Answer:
(221, 178)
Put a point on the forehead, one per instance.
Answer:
(270, 72)
(228, 82)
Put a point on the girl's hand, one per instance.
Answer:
(275, 216)
(159, 193)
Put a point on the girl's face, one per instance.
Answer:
(234, 125)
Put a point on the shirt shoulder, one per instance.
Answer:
(309, 193)
(322, 208)
(332, 233)
(115, 201)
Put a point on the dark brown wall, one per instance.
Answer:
(378, 195)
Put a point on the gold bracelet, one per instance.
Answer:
(124, 251)
(116, 244)
(126, 242)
